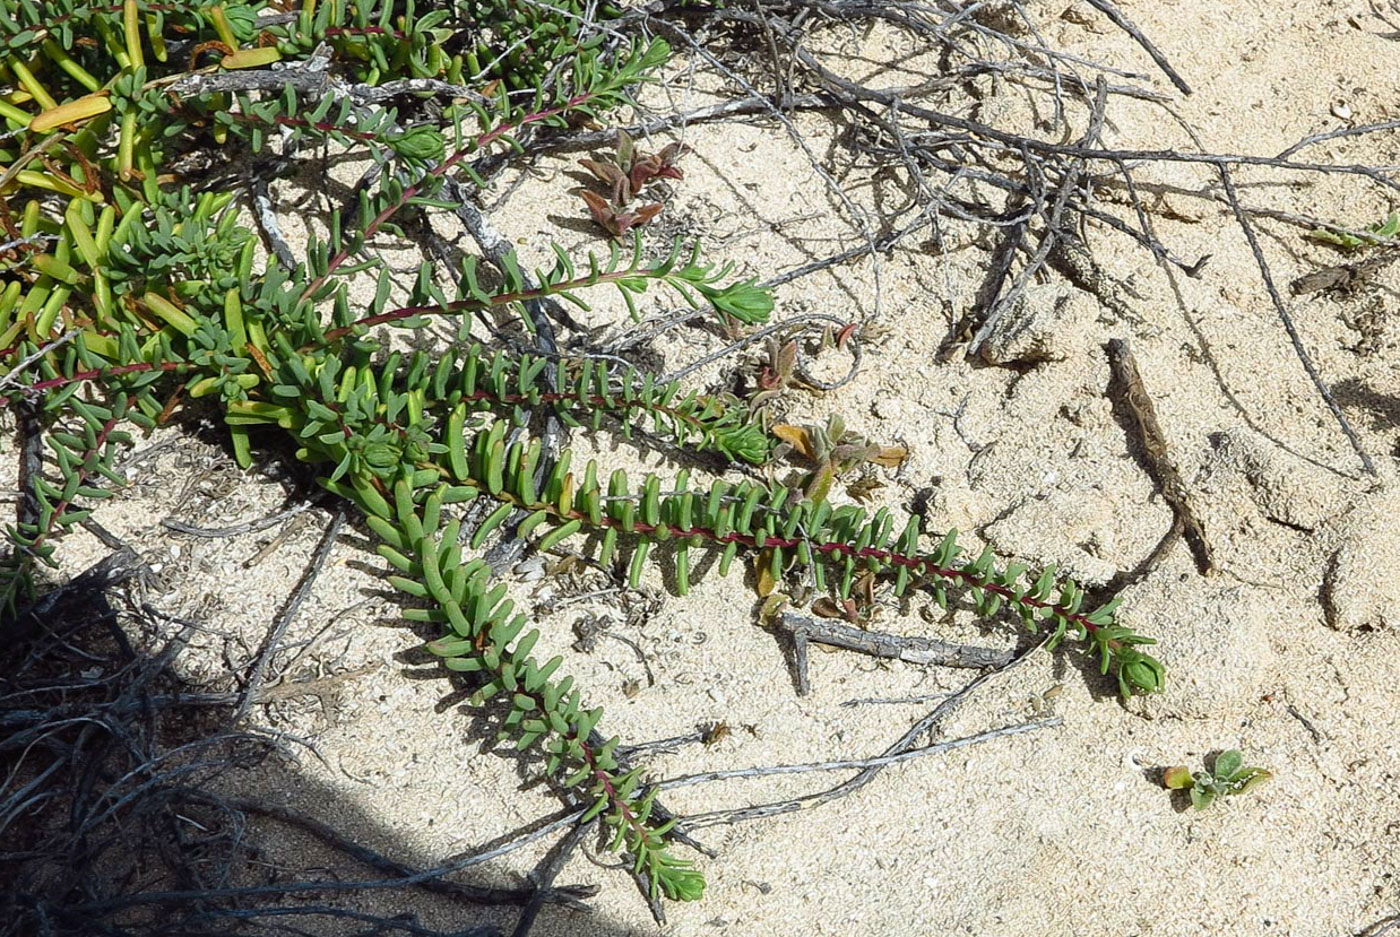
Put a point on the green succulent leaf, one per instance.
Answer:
(1227, 763)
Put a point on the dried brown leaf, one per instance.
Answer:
(772, 607)
(799, 437)
(864, 488)
(890, 456)
(785, 361)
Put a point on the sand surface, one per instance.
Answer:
(1291, 651)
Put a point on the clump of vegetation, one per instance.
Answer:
(1225, 778)
(130, 295)
(625, 174)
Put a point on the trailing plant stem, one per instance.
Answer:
(494, 301)
(98, 374)
(484, 139)
(918, 565)
(36, 546)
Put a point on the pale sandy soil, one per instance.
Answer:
(1291, 652)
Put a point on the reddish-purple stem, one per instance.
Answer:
(442, 168)
(62, 504)
(472, 305)
(919, 565)
(97, 374)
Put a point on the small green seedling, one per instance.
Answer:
(1373, 234)
(1228, 777)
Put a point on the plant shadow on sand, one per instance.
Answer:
(134, 804)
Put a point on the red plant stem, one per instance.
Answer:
(324, 126)
(474, 305)
(365, 31)
(605, 777)
(919, 565)
(644, 835)
(117, 8)
(593, 400)
(512, 399)
(97, 374)
(63, 503)
(482, 140)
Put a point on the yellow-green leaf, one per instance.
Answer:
(251, 58)
(84, 108)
